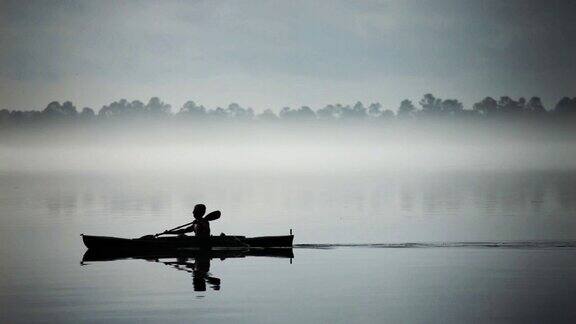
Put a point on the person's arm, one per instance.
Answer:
(183, 230)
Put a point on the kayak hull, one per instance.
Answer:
(185, 242)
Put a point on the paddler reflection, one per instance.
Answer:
(200, 269)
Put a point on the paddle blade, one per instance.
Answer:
(213, 215)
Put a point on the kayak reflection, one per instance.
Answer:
(194, 261)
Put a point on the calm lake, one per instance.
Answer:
(351, 264)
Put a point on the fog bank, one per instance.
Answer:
(292, 147)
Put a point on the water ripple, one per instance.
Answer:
(495, 244)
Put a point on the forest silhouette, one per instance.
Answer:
(428, 107)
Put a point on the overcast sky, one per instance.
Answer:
(271, 54)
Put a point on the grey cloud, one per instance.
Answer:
(467, 48)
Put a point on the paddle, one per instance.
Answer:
(213, 216)
(210, 217)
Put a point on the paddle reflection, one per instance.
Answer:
(195, 262)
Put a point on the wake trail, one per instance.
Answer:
(484, 244)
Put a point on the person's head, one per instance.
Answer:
(199, 211)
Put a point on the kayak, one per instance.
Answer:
(185, 242)
(95, 255)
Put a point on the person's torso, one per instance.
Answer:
(202, 228)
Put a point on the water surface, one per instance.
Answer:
(446, 247)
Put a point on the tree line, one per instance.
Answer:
(428, 106)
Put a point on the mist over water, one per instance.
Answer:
(187, 148)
